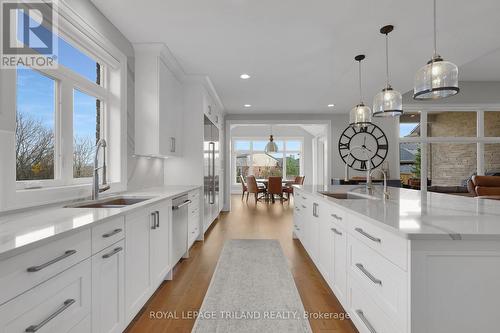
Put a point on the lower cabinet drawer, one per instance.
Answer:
(57, 305)
(386, 282)
(26, 270)
(389, 245)
(365, 314)
(105, 234)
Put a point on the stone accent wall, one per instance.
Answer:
(492, 150)
(450, 164)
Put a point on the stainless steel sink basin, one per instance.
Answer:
(348, 195)
(341, 195)
(115, 202)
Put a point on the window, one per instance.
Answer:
(250, 158)
(454, 146)
(86, 132)
(35, 125)
(55, 104)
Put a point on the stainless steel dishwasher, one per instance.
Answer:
(179, 227)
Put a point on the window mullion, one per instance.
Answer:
(65, 133)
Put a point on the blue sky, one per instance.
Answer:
(36, 92)
(406, 128)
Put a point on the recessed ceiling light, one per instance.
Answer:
(244, 76)
(247, 105)
(331, 105)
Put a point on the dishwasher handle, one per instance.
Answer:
(187, 202)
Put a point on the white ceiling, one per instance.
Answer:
(313, 129)
(300, 53)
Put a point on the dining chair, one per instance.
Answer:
(252, 187)
(275, 186)
(288, 190)
(244, 186)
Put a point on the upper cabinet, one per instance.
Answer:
(159, 96)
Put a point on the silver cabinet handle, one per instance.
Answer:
(53, 261)
(153, 214)
(112, 233)
(335, 216)
(365, 321)
(112, 253)
(367, 235)
(172, 144)
(157, 218)
(368, 274)
(187, 202)
(67, 303)
(304, 207)
(304, 198)
(336, 231)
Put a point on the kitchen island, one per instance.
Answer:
(415, 262)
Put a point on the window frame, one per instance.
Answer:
(78, 30)
(424, 140)
(251, 151)
(66, 82)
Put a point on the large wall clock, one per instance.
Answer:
(371, 139)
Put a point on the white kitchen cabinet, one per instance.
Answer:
(57, 305)
(147, 259)
(137, 276)
(159, 96)
(193, 217)
(160, 242)
(108, 289)
(338, 264)
(325, 243)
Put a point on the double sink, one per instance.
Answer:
(114, 202)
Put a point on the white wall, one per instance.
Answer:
(254, 131)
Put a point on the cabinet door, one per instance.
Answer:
(170, 108)
(339, 263)
(159, 247)
(137, 280)
(314, 233)
(108, 292)
(325, 246)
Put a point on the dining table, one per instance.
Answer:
(285, 182)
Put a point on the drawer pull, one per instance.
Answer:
(67, 303)
(53, 261)
(304, 198)
(336, 231)
(335, 216)
(365, 321)
(304, 207)
(112, 253)
(367, 235)
(112, 233)
(368, 274)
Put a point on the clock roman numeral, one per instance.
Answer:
(363, 165)
(384, 147)
(344, 146)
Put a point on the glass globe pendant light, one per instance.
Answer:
(271, 146)
(360, 115)
(388, 102)
(437, 79)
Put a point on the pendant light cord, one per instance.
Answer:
(387, 59)
(435, 31)
(360, 91)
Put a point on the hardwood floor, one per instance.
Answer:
(192, 276)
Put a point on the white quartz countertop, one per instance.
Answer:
(420, 214)
(23, 230)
